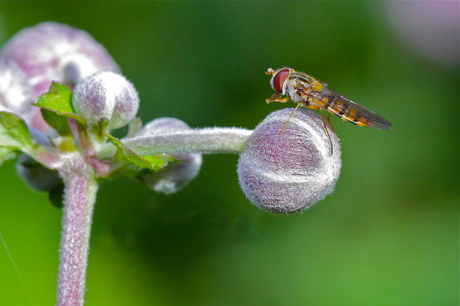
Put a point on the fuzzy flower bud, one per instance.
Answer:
(172, 178)
(106, 96)
(16, 93)
(51, 51)
(291, 171)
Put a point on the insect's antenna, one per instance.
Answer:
(290, 116)
(326, 129)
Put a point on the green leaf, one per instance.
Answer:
(160, 160)
(59, 100)
(13, 132)
(153, 162)
(6, 154)
(58, 122)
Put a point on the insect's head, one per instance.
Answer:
(279, 77)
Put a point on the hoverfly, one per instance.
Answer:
(307, 91)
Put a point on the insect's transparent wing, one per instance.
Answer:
(349, 110)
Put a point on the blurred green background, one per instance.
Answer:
(388, 235)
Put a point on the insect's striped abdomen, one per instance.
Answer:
(341, 108)
(350, 111)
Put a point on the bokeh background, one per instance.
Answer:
(388, 235)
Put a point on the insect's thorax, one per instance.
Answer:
(303, 88)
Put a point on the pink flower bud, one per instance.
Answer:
(16, 93)
(106, 96)
(51, 51)
(172, 178)
(291, 171)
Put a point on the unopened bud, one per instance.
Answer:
(290, 171)
(51, 51)
(174, 176)
(106, 96)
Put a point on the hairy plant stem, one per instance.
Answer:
(79, 199)
(201, 141)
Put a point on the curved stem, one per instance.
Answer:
(202, 141)
(80, 196)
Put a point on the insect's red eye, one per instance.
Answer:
(279, 78)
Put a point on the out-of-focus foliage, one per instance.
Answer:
(388, 235)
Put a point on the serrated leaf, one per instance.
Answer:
(13, 132)
(153, 162)
(59, 100)
(6, 154)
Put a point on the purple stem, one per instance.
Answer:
(80, 196)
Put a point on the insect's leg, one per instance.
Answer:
(311, 105)
(330, 122)
(276, 97)
(290, 116)
(326, 129)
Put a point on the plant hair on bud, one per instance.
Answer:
(291, 171)
(106, 96)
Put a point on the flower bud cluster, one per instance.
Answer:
(45, 53)
(291, 171)
(35, 57)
